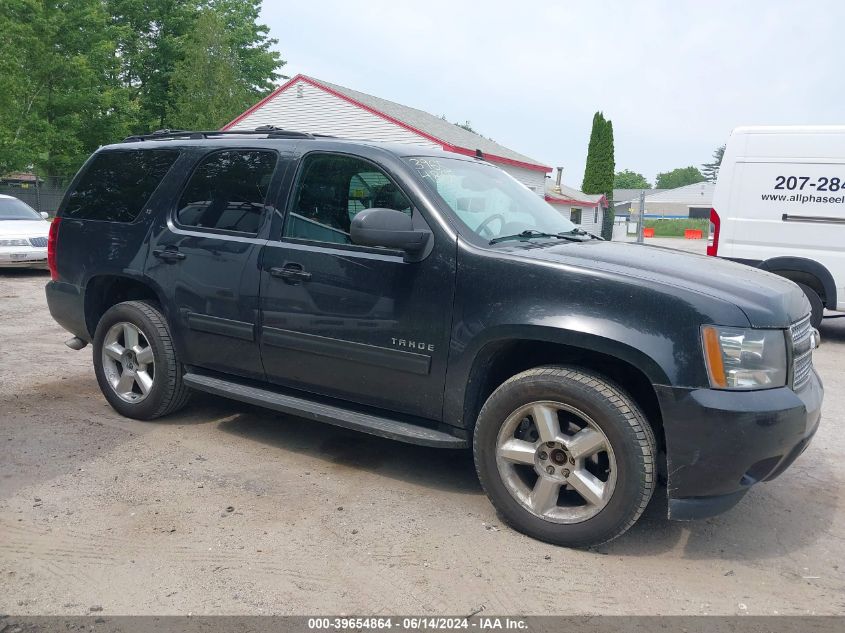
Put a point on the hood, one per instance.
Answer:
(766, 299)
(24, 228)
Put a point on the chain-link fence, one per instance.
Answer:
(42, 196)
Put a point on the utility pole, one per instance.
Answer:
(37, 191)
(641, 219)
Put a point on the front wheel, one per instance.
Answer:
(135, 362)
(565, 456)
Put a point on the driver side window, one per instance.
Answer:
(331, 190)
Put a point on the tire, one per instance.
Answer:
(624, 470)
(146, 383)
(816, 305)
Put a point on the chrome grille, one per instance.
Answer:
(802, 352)
(38, 242)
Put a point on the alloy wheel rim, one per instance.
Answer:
(556, 462)
(128, 362)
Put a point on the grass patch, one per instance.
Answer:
(676, 228)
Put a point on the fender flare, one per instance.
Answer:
(480, 351)
(128, 275)
(808, 266)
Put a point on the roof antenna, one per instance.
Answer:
(479, 154)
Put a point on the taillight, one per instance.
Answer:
(715, 224)
(52, 238)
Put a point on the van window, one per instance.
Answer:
(227, 191)
(117, 184)
(331, 190)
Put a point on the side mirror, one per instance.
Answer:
(45, 215)
(389, 228)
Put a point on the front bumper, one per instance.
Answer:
(14, 257)
(720, 443)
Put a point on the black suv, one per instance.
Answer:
(430, 298)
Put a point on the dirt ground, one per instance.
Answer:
(225, 508)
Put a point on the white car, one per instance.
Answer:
(23, 234)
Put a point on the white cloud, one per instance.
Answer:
(675, 77)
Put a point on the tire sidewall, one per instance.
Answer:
(148, 407)
(630, 465)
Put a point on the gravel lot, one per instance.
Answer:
(225, 508)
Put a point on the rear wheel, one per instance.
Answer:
(816, 305)
(135, 362)
(565, 456)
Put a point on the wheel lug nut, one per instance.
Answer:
(566, 472)
(550, 470)
(572, 460)
(544, 455)
(550, 444)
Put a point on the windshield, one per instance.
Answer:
(488, 201)
(14, 209)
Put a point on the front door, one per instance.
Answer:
(354, 322)
(205, 256)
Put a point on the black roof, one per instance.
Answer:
(269, 136)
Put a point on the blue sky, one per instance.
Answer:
(674, 77)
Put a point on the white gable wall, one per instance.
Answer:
(533, 179)
(590, 221)
(306, 108)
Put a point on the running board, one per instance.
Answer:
(320, 412)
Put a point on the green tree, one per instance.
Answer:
(61, 95)
(627, 179)
(206, 83)
(149, 42)
(160, 41)
(76, 75)
(710, 171)
(599, 171)
(678, 178)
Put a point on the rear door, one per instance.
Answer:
(205, 252)
(347, 321)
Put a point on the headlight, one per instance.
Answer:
(14, 243)
(744, 358)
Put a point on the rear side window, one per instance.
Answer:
(227, 191)
(116, 185)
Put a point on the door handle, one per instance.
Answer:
(291, 273)
(168, 255)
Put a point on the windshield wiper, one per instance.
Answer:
(526, 234)
(580, 231)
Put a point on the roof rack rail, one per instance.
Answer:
(270, 130)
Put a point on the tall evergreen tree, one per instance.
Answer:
(599, 171)
(710, 171)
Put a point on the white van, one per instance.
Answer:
(779, 205)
